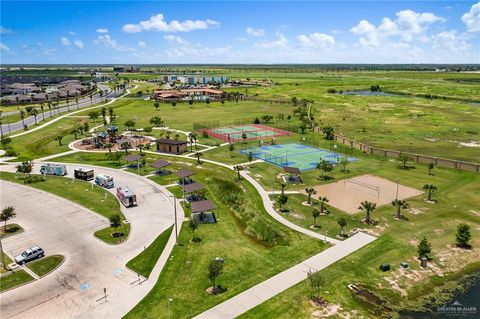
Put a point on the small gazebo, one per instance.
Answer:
(201, 211)
(132, 158)
(184, 175)
(293, 174)
(159, 166)
(192, 191)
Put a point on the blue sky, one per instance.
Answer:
(240, 32)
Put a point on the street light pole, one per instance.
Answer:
(170, 300)
(398, 182)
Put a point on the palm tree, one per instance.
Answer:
(283, 186)
(323, 201)
(310, 192)
(109, 147)
(68, 100)
(41, 108)
(399, 205)
(111, 114)
(34, 112)
(50, 108)
(344, 161)
(59, 139)
(315, 215)
(104, 113)
(324, 167)
(430, 167)
(91, 99)
(368, 207)
(342, 222)
(198, 155)
(76, 101)
(430, 188)
(22, 116)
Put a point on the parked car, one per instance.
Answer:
(29, 254)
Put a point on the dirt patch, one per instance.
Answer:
(297, 215)
(470, 144)
(326, 310)
(476, 212)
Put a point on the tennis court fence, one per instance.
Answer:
(266, 156)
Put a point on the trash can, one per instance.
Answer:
(404, 265)
(385, 267)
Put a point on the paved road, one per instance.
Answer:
(85, 102)
(62, 227)
(271, 287)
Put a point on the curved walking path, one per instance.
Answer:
(60, 226)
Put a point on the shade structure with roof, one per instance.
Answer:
(201, 211)
(133, 159)
(194, 191)
(293, 174)
(166, 145)
(160, 166)
(184, 175)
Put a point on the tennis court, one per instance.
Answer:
(296, 155)
(252, 132)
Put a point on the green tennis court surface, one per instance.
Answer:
(296, 155)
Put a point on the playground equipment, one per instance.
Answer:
(126, 196)
(83, 173)
(53, 169)
(104, 181)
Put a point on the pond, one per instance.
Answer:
(465, 305)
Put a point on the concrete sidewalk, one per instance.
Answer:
(260, 293)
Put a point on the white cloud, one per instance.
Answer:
(280, 42)
(450, 41)
(71, 33)
(107, 41)
(142, 44)
(65, 41)
(183, 48)
(102, 30)
(158, 23)
(3, 47)
(317, 40)
(4, 30)
(78, 44)
(471, 19)
(255, 32)
(407, 25)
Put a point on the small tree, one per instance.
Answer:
(368, 207)
(193, 225)
(93, 115)
(174, 104)
(215, 268)
(315, 215)
(281, 200)
(342, 222)
(7, 214)
(129, 124)
(25, 167)
(231, 148)
(198, 155)
(250, 156)
(430, 167)
(115, 222)
(59, 139)
(344, 162)
(244, 138)
(316, 282)
(147, 130)
(322, 201)
(430, 188)
(283, 186)
(424, 248)
(399, 204)
(302, 127)
(156, 105)
(404, 158)
(324, 167)
(310, 191)
(5, 140)
(109, 147)
(156, 121)
(125, 146)
(328, 132)
(463, 235)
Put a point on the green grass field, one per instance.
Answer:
(43, 266)
(143, 263)
(18, 278)
(76, 193)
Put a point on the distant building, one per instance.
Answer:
(129, 69)
(195, 79)
(188, 94)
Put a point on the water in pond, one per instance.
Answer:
(368, 93)
(464, 305)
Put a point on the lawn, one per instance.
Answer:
(245, 236)
(77, 193)
(18, 278)
(8, 261)
(44, 265)
(11, 229)
(397, 241)
(143, 263)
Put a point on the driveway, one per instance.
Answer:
(62, 227)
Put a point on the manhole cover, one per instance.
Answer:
(84, 286)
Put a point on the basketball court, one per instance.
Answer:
(347, 194)
(296, 155)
